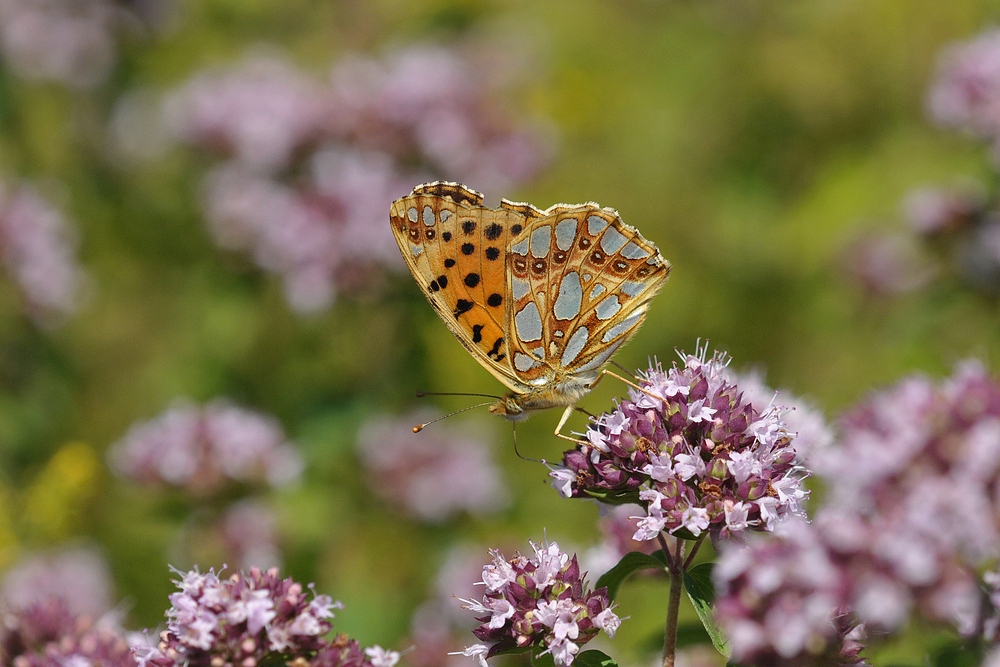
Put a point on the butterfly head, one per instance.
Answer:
(510, 407)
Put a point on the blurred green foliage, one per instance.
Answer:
(751, 140)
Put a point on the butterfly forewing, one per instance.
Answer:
(455, 249)
(582, 281)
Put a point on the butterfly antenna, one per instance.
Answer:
(420, 427)
(622, 368)
(513, 426)
(421, 394)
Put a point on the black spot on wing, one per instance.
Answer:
(468, 248)
(462, 306)
(494, 299)
(471, 279)
(493, 231)
(492, 253)
(477, 333)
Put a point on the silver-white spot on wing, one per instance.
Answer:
(416, 249)
(612, 241)
(567, 305)
(412, 214)
(521, 247)
(632, 288)
(566, 234)
(540, 240)
(622, 327)
(428, 216)
(445, 215)
(538, 352)
(598, 290)
(595, 363)
(607, 308)
(632, 251)
(523, 362)
(528, 323)
(519, 288)
(596, 224)
(574, 346)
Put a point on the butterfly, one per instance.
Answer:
(541, 299)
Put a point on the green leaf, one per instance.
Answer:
(539, 660)
(616, 497)
(698, 584)
(594, 658)
(630, 562)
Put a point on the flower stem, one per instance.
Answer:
(676, 570)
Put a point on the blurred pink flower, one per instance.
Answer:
(311, 167)
(70, 41)
(966, 92)
(249, 532)
(887, 264)
(781, 600)
(804, 421)
(259, 111)
(201, 449)
(79, 577)
(38, 251)
(432, 475)
(912, 496)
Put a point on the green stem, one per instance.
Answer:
(675, 570)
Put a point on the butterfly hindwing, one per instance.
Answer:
(455, 249)
(581, 281)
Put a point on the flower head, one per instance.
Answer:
(432, 475)
(253, 617)
(782, 600)
(201, 448)
(697, 453)
(538, 602)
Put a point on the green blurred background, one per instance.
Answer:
(752, 141)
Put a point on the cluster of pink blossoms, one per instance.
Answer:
(538, 602)
(966, 94)
(783, 600)
(55, 612)
(73, 42)
(202, 448)
(913, 494)
(432, 475)
(308, 165)
(252, 618)
(910, 518)
(697, 454)
(38, 252)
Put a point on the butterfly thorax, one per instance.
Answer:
(560, 394)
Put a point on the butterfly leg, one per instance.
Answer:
(562, 422)
(628, 382)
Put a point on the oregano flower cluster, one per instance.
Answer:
(251, 618)
(693, 450)
(538, 602)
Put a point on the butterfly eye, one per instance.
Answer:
(538, 266)
(597, 257)
(429, 234)
(559, 257)
(621, 266)
(520, 265)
